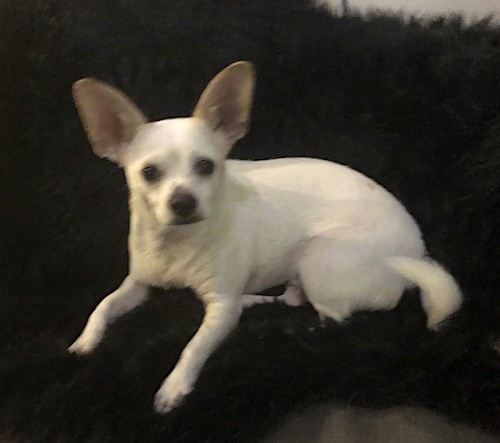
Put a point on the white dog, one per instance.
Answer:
(227, 228)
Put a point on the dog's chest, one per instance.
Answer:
(156, 263)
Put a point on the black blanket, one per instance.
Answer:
(413, 105)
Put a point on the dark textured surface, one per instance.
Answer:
(415, 107)
(330, 423)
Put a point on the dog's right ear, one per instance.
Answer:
(109, 117)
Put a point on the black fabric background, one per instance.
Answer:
(415, 106)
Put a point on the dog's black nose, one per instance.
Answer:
(183, 203)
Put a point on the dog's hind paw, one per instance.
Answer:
(173, 390)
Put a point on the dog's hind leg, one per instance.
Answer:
(249, 300)
(343, 275)
(293, 296)
(129, 295)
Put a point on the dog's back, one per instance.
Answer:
(317, 196)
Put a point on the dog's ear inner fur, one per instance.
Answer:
(109, 117)
(226, 103)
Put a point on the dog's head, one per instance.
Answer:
(175, 167)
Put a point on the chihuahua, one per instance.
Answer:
(230, 229)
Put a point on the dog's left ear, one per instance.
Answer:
(226, 103)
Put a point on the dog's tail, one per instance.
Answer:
(440, 293)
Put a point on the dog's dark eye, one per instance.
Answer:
(151, 173)
(204, 166)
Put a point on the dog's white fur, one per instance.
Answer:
(336, 236)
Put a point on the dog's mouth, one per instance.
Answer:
(190, 220)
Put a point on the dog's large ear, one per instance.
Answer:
(109, 117)
(226, 102)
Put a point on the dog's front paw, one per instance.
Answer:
(84, 344)
(172, 391)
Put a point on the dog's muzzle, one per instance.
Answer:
(179, 221)
(184, 207)
(183, 204)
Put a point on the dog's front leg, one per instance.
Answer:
(221, 317)
(129, 295)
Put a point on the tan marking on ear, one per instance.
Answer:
(226, 103)
(109, 117)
